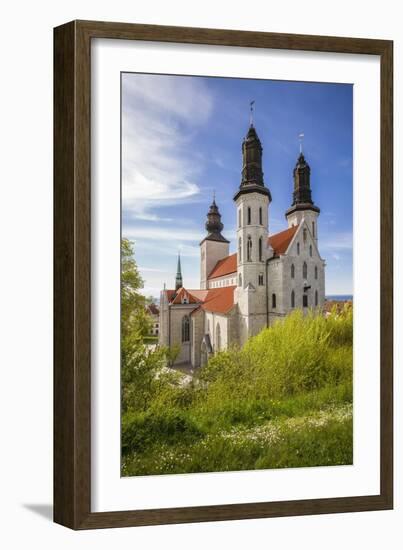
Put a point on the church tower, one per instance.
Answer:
(252, 221)
(214, 246)
(178, 278)
(303, 206)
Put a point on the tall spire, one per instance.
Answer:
(252, 171)
(302, 195)
(213, 225)
(178, 279)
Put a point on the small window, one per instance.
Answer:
(313, 229)
(185, 329)
(239, 218)
(305, 271)
(305, 300)
(249, 249)
(316, 298)
(249, 216)
(292, 271)
(298, 249)
(240, 280)
(260, 279)
(310, 250)
(316, 271)
(273, 301)
(292, 299)
(240, 250)
(260, 216)
(260, 249)
(304, 234)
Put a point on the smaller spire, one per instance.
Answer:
(214, 225)
(178, 278)
(302, 195)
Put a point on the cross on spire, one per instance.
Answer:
(301, 141)
(252, 110)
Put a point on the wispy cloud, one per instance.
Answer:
(160, 116)
(337, 242)
(160, 234)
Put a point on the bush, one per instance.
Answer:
(145, 430)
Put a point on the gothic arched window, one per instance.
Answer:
(273, 301)
(239, 218)
(249, 249)
(240, 280)
(185, 329)
(240, 250)
(260, 249)
(249, 216)
(305, 271)
(304, 233)
(260, 216)
(310, 250)
(298, 249)
(292, 271)
(313, 229)
(316, 271)
(218, 338)
(292, 299)
(316, 298)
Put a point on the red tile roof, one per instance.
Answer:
(153, 309)
(281, 241)
(224, 267)
(184, 293)
(170, 294)
(219, 300)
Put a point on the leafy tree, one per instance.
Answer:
(144, 372)
(135, 321)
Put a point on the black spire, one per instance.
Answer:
(214, 226)
(178, 278)
(302, 195)
(252, 172)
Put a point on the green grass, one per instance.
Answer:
(320, 439)
(284, 400)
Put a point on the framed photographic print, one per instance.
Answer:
(223, 275)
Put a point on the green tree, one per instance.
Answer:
(135, 321)
(144, 372)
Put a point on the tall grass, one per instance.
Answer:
(296, 369)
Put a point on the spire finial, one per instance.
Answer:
(252, 110)
(301, 141)
(213, 195)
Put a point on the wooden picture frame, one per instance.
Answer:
(72, 272)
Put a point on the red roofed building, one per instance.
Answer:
(267, 276)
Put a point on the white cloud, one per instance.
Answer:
(337, 242)
(160, 234)
(160, 115)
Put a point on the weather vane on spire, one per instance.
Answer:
(301, 140)
(252, 109)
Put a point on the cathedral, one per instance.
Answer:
(267, 277)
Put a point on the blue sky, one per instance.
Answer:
(181, 141)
